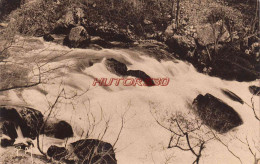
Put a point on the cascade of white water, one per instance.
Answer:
(142, 139)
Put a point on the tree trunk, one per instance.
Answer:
(177, 14)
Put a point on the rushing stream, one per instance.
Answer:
(142, 140)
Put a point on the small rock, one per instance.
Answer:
(254, 90)
(48, 37)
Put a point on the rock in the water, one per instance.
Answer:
(63, 130)
(8, 113)
(56, 152)
(92, 150)
(216, 114)
(84, 151)
(9, 129)
(58, 129)
(28, 119)
(32, 122)
(48, 37)
(77, 38)
(232, 96)
(116, 67)
(6, 142)
(254, 90)
(141, 75)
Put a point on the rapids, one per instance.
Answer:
(142, 140)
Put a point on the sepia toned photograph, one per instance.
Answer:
(129, 82)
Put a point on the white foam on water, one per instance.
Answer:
(142, 139)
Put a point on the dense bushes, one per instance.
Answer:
(38, 17)
(41, 17)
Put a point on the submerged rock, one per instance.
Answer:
(216, 114)
(254, 90)
(84, 151)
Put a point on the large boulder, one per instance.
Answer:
(216, 114)
(58, 129)
(28, 119)
(208, 33)
(72, 18)
(116, 67)
(85, 151)
(181, 45)
(77, 38)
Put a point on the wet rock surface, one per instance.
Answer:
(28, 119)
(216, 114)
(116, 67)
(84, 151)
